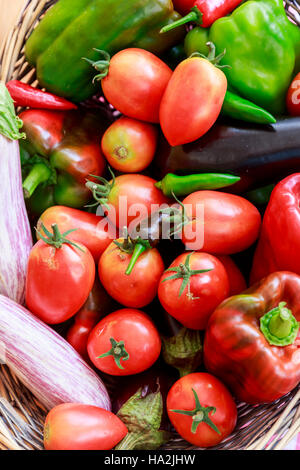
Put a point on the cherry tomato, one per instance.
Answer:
(293, 97)
(127, 342)
(192, 287)
(135, 83)
(136, 289)
(201, 409)
(129, 145)
(132, 198)
(237, 282)
(74, 426)
(98, 304)
(192, 101)
(58, 280)
(89, 231)
(228, 223)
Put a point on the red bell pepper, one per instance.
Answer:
(27, 96)
(252, 341)
(278, 247)
(203, 12)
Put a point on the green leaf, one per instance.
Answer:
(10, 124)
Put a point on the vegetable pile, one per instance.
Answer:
(150, 219)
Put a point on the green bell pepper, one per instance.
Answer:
(262, 51)
(71, 29)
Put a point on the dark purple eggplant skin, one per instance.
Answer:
(259, 154)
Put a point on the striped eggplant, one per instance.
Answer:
(15, 234)
(44, 362)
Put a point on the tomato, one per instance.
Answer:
(98, 304)
(192, 287)
(140, 287)
(74, 426)
(192, 101)
(89, 230)
(201, 409)
(228, 223)
(293, 97)
(135, 83)
(127, 342)
(58, 280)
(132, 198)
(129, 145)
(237, 282)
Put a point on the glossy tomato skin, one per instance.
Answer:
(89, 229)
(140, 287)
(58, 281)
(293, 97)
(132, 198)
(140, 336)
(211, 392)
(129, 145)
(135, 83)
(229, 223)
(192, 101)
(237, 282)
(74, 426)
(207, 290)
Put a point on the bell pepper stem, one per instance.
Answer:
(38, 174)
(195, 15)
(138, 250)
(279, 326)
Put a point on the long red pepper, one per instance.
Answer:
(203, 12)
(27, 96)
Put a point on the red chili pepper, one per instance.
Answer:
(252, 341)
(203, 12)
(27, 96)
(278, 247)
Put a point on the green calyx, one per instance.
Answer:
(184, 272)
(10, 123)
(183, 351)
(56, 238)
(101, 190)
(142, 415)
(211, 57)
(200, 414)
(132, 247)
(279, 326)
(101, 66)
(118, 352)
(195, 16)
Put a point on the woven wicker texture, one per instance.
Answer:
(260, 427)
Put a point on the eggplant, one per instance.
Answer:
(258, 154)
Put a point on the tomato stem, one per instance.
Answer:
(101, 191)
(200, 414)
(183, 271)
(56, 238)
(139, 249)
(101, 66)
(118, 352)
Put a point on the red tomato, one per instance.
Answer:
(58, 280)
(135, 83)
(192, 303)
(98, 304)
(88, 231)
(201, 409)
(129, 145)
(293, 97)
(140, 287)
(229, 223)
(192, 101)
(132, 198)
(237, 282)
(128, 342)
(73, 426)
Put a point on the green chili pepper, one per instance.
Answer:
(260, 196)
(237, 107)
(177, 185)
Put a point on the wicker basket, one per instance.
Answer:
(267, 427)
